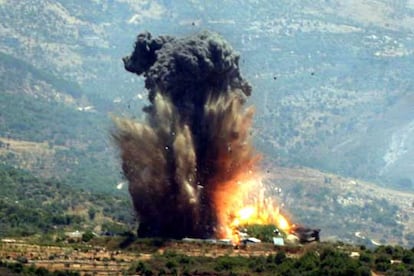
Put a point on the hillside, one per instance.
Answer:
(359, 212)
(346, 209)
(30, 205)
(49, 128)
(332, 89)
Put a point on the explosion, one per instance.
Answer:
(191, 166)
(247, 205)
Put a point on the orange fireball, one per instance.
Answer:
(244, 203)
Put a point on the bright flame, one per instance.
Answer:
(246, 213)
(282, 223)
(244, 203)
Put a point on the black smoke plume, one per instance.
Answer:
(195, 140)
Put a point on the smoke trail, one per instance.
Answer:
(195, 143)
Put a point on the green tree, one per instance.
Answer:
(408, 258)
(87, 236)
(382, 262)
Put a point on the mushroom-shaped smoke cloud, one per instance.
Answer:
(195, 142)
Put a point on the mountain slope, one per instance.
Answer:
(345, 209)
(326, 75)
(39, 111)
(29, 205)
(332, 91)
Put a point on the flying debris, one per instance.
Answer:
(120, 185)
(187, 162)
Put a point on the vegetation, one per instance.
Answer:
(9, 80)
(311, 100)
(18, 268)
(36, 106)
(322, 259)
(262, 232)
(378, 217)
(169, 257)
(318, 105)
(29, 205)
(78, 145)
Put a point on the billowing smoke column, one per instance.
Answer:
(195, 141)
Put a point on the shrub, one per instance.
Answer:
(366, 258)
(408, 258)
(382, 263)
(280, 257)
(87, 236)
